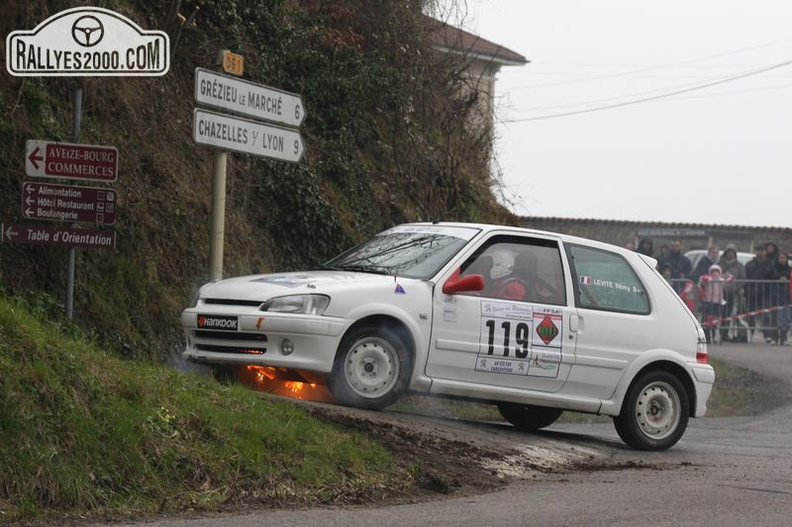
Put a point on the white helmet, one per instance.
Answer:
(503, 263)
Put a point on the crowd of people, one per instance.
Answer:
(731, 298)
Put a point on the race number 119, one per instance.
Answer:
(501, 333)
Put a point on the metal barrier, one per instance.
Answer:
(743, 310)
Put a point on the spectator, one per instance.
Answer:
(645, 246)
(758, 271)
(665, 270)
(679, 263)
(703, 265)
(735, 293)
(713, 299)
(780, 317)
(771, 251)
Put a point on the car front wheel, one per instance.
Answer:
(528, 417)
(655, 412)
(372, 368)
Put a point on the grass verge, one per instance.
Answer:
(86, 434)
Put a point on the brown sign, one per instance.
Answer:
(61, 236)
(46, 201)
(71, 161)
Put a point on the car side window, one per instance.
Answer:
(519, 268)
(606, 281)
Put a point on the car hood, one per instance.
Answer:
(262, 287)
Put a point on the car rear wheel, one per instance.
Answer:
(655, 413)
(528, 417)
(372, 368)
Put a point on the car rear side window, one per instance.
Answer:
(606, 281)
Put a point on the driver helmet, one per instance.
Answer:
(503, 263)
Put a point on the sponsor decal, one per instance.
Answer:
(87, 41)
(546, 330)
(218, 322)
(400, 290)
(520, 340)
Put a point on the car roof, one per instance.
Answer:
(566, 238)
(489, 227)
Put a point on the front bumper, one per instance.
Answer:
(259, 339)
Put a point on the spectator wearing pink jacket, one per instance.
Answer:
(712, 293)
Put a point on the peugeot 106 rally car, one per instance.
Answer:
(534, 322)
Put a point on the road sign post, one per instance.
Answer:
(248, 136)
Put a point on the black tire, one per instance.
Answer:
(528, 417)
(372, 368)
(655, 412)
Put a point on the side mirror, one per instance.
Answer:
(471, 282)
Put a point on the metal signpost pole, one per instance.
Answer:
(218, 214)
(77, 100)
(253, 134)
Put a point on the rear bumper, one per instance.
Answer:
(703, 377)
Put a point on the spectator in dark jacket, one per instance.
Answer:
(645, 246)
(771, 251)
(780, 317)
(735, 294)
(680, 265)
(703, 265)
(758, 271)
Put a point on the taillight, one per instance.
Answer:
(702, 355)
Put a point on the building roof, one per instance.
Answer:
(454, 40)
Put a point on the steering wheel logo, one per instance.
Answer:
(87, 31)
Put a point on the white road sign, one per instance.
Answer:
(248, 137)
(248, 98)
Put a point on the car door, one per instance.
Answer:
(513, 333)
(615, 320)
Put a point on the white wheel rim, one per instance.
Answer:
(371, 367)
(657, 410)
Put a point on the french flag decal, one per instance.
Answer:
(585, 280)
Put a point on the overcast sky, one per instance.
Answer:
(575, 139)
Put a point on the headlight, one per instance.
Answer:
(298, 304)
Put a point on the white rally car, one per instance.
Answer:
(534, 322)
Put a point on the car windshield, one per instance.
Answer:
(412, 251)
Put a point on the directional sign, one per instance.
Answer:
(61, 236)
(247, 98)
(71, 161)
(246, 136)
(44, 201)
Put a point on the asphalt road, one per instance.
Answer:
(726, 472)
